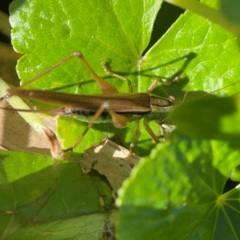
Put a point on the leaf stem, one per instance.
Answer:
(207, 12)
(33, 120)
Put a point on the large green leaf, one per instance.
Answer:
(177, 193)
(201, 53)
(102, 30)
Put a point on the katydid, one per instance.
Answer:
(122, 107)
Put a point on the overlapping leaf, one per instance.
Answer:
(177, 193)
(34, 189)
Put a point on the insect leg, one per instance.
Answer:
(49, 69)
(157, 80)
(136, 135)
(119, 121)
(161, 128)
(150, 132)
(107, 71)
(103, 85)
(165, 128)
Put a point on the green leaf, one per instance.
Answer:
(230, 9)
(235, 175)
(79, 228)
(35, 189)
(174, 195)
(209, 10)
(218, 118)
(179, 188)
(194, 49)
